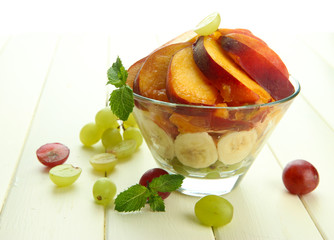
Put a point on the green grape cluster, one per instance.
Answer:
(119, 138)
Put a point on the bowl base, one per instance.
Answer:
(200, 187)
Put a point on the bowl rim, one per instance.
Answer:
(294, 82)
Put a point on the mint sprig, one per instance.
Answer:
(121, 99)
(135, 197)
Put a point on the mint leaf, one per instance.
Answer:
(166, 183)
(121, 102)
(117, 74)
(156, 203)
(132, 199)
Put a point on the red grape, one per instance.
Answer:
(52, 154)
(300, 177)
(148, 177)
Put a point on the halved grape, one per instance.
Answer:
(105, 118)
(103, 162)
(104, 191)
(208, 25)
(111, 137)
(133, 133)
(214, 211)
(131, 122)
(52, 154)
(124, 149)
(90, 134)
(64, 175)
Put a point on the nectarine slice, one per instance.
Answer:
(225, 31)
(186, 83)
(235, 86)
(190, 124)
(260, 62)
(151, 80)
(133, 70)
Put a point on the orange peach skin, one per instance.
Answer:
(235, 86)
(260, 62)
(151, 79)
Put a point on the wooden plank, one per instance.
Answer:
(73, 93)
(3, 40)
(302, 134)
(21, 81)
(263, 209)
(311, 70)
(322, 43)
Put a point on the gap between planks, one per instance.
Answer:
(11, 182)
(300, 197)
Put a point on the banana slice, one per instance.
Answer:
(196, 150)
(158, 139)
(236, 146)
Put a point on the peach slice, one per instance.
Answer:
(151, 79)
(235, 86)
(186, 83)
(260, 62)
(225, 31)
(133, 70)
(190, 124)
(189, 36)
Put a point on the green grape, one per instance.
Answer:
(133, 133)
(111, 137)
(64, 175)
(105, 118)
(131, 122)
(104, 191)
(103, 162)
(208, 25)
(124, 149)
(214, 211)
(90, 134)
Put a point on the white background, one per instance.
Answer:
(175, 16)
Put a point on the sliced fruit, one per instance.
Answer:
(151, 79)
(236, 87)
(103, 162)
(133, 70)
(196, 150)
(64, 175)
(260, 62)
(189, 36)
(208, 25)
(190, 124)
(52, 154)
(225, 31)
(158, 140)
(236, 146)
(186, 83)
(123, 149)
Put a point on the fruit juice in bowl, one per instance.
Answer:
(207, 101)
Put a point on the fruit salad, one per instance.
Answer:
(205, 103)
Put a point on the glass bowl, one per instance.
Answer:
(213, 147)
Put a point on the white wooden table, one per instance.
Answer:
(51, 85)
